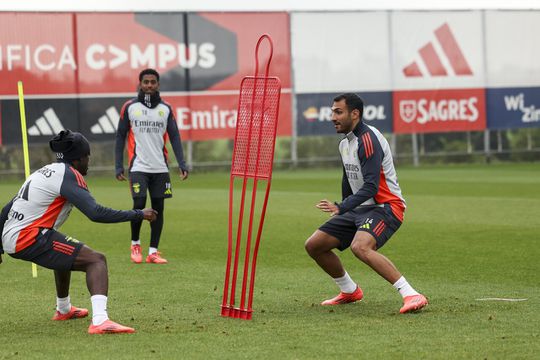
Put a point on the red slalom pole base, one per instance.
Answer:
(237, 313)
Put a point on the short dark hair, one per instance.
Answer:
(352, 101)
(148, 72)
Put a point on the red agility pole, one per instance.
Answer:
(253, 157)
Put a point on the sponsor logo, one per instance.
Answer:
(48, 124)
(44, 57)
(352, 171)
(407, 110)
(98, 56)
(367, 224)
(108, 123)
(16, 215)
(440, 57)
(517, 103)
(168, 190)
(312, 114)
(107, 56)
(424, 110)
(72, 239)
(216, 118)
(324, 113)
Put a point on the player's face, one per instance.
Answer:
(149, 84)
(82, 165)
(344, 121)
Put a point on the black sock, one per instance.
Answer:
(156, 226)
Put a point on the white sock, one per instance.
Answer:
(99, 309)
(135, 242)
(63, 305)
(152, 250)
(404, 288)
(346, 284)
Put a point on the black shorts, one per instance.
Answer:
(158, 184)
(379, 221)
(52, 250)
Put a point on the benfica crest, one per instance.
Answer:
(407, 110)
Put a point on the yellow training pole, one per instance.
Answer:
(25, 146)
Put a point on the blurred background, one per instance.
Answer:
(445, 81)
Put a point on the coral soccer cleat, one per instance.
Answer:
(345, 298)
(74, 313)
(156, 258)
(413, 303)
(110, 327)
(136, 256)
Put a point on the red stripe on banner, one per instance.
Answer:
(453, 52)
(432, 61)
(412, 70)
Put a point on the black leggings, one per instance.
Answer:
(155, 226)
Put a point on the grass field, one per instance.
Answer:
(470, 232)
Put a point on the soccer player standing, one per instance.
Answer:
(146, 122)
(370, 213)
(28, 226)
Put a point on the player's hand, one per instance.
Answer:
(328, 206)
(149, 214)
(183, 174)
(120, 176)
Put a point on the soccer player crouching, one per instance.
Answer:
(44, 202)
(370, 213)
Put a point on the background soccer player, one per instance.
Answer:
(42, 205)
(146, 122)
(370, 213)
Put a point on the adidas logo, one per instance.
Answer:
(440, 57)
(108, 123)
(48, 124)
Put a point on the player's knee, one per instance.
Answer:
(361, 248)
(310, 246)
(314, 245)
(98, 258)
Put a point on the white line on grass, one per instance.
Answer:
(500, 299)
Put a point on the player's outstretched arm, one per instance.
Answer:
(75, 190)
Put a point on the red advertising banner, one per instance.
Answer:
(214, 117)
(92, 60)
(37, 49)
(443, 110)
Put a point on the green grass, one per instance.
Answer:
(470, 232)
